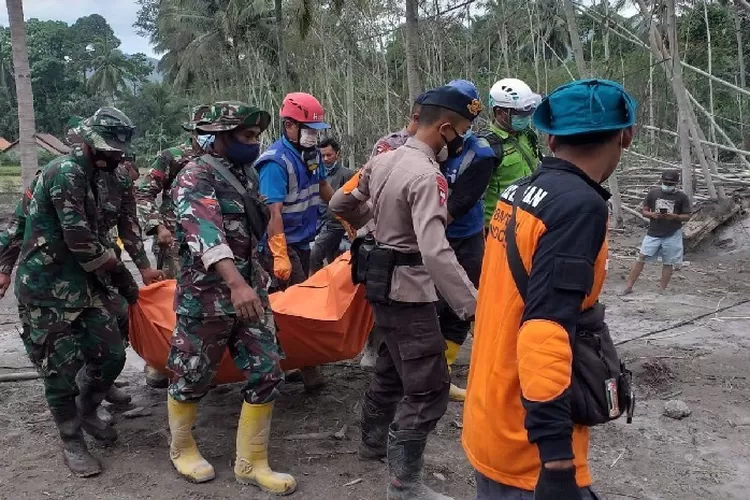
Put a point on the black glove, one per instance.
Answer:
(557, 484)
(125, 283)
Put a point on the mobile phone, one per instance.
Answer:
(663, 210)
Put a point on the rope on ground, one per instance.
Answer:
(682, 323)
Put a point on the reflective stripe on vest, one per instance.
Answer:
(300, 207)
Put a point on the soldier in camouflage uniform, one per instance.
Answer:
(221, 299)
(62, 284)
(159, 219)
(118, 229)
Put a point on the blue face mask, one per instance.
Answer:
(520, 122)
(242, 154)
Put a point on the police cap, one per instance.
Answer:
(453, 99)
(585, 107)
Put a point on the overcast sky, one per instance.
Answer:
(120, 14)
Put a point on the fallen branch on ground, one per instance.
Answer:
(19, 376)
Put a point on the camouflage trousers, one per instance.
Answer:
(168, 259)
(61, 341)
(198, 344)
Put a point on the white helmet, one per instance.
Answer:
(514, 94)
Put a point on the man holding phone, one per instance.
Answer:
(667, 209)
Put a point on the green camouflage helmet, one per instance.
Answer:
(228, 115)
(197, 115)
(109, 129)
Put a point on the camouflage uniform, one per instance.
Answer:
(11, 239)
(63, 281)
(211, 226)
(56, 284)
(159, 179)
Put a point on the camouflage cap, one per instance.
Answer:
(228, 115)
(197, 115)
(109, 129)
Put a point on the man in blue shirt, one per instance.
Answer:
(293, 181)
(468, 170)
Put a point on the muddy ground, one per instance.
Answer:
(687, 344)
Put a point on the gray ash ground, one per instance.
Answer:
(704, 363)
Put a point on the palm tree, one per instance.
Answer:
(110, 69)
(24, 94)
(196, 34)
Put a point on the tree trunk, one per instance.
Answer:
(24, 94)
(712, 129)
(350, 111)
(614, 188)
(534, 34)
(741, 58)
(670, 59)
(412, 50)
(606, 30)
(687, 161)
(281, 51)
(651, 119)
(575, 38)
(504, 38)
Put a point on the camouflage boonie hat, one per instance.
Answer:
(228, 115)
(73, 133)
(109, 129)
(197, 115)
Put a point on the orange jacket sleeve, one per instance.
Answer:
(561, 275)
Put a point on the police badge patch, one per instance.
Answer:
(442, 186)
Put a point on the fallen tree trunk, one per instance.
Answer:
(707, 218)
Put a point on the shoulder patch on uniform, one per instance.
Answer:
(382, 147)
(442, 187)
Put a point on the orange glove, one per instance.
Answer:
(282, 266)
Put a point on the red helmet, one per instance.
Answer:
(303, 108)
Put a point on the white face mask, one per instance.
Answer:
(308, 138)
(668, 189)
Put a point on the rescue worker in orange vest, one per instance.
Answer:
(518, 432)
(406, 259)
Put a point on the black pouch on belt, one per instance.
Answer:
(601, 388)
(380, 264)
(360, 253)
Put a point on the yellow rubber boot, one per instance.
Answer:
(251, 467)
(451, 353)
(183, 451)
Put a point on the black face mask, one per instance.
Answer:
(454, 146)
(105, 162)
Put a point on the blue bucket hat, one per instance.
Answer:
(466, 87)
(584, 107)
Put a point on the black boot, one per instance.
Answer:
(375, 422)
(90, 397)
(405, 460)
(75, 453)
